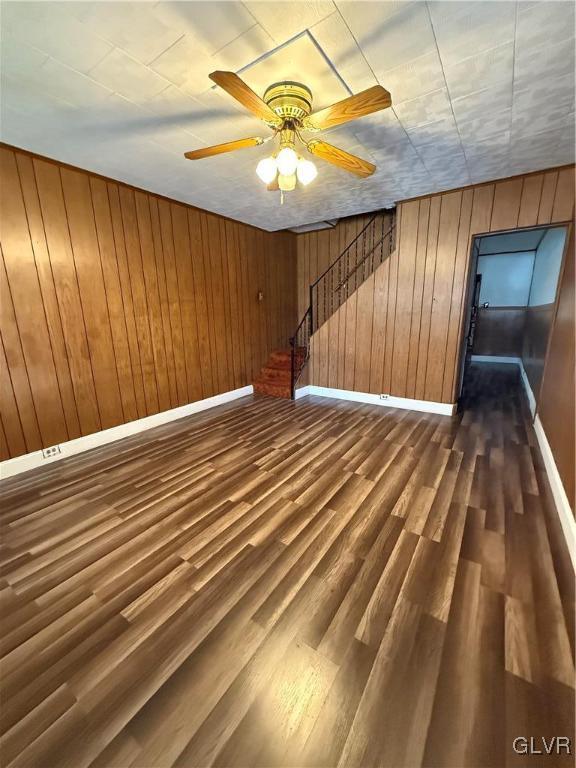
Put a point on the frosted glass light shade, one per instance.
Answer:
(287, 182)
(287, 161)
(267, 169)
(306, 171)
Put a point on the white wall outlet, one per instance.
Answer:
(49, 453)
(384, 397)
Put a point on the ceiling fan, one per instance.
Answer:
(287, 109)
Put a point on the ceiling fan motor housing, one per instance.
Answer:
(290, 100)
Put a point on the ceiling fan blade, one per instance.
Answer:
(237, 88)
(363, 103)
(342, 159)
(220, 149)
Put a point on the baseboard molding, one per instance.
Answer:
(387, 401)
(565, 514)
(515, 361)
(494, 359)
(29, 461)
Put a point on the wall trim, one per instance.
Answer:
(567, 520)
(29, 461)
(388, 401)
(495, 359)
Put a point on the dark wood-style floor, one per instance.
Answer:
(271, 583)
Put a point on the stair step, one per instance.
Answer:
(271, 389)
(275, 377)
(275, 374)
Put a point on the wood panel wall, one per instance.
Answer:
(400, 333)
(116, 304)
(556, 406)
(499, 331)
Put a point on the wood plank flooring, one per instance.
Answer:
(309, 584)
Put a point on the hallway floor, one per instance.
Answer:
(271, 583)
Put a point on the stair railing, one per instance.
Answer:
(300, 349)
(370, 248)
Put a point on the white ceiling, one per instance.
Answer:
(480, 90)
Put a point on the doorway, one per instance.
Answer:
(511, 300)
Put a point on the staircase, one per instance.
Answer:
(370, 248)
(275, 378)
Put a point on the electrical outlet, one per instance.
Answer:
(49, 453)
(384, 397)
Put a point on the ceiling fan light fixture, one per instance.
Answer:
(287, 182)
(267, 170)
(306, 171)
(287, 160)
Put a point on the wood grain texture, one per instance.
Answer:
(117, 304)
(500, 331)
(556, 407)
(319, 583)
(411, 329)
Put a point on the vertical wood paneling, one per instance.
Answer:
(30, 318)
(185, 278)
(506, 205)
(418, 295)
(530, 201)
(127, 300)
(80, 215)
(116, 304)
(164, 303)
(49, 298)
(427, 297)
(547, 198)
(400, 332)
(564, 196)
(111, 276)
(150, 276)
(408, 239)
(140, 304)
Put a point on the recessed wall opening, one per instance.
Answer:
(512, 299)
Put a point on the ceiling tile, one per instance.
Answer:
(544, 23)
(132, 26)
(415, 78)
(482, 128)
(440, 131)
(482, 103)
(244, 50)
(481, 71)
(186, 65)
(283, 20)
(50, 27)
(213, 24)
(390, 34)
(465, 27)
(543, 94)
(338, 44)
(19, 59)
(128, 77)
(424, 109)
(547, 61)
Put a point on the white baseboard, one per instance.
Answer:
(516, 361)
(301, 392)
(494, 359)
(15, 466)
(565, 514)
(388, 401)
